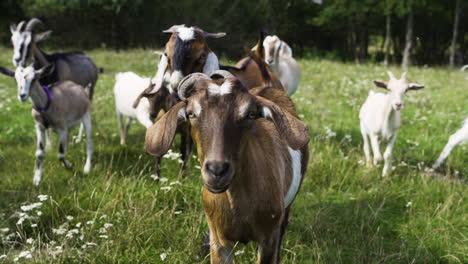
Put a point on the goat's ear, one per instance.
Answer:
(290, 128)
(12, 28)
(145, 93)
(415, 86)
(46, 70)
(159, 137)
(380, 84)
(214, 35)
(211, 64)
(7, 72)
(42, 36)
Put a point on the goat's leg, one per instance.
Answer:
(375, 148)
(388, 155)
(185, 148)
(366, 148)
(453, 141)
(89, 142)
(80, 133)
(40, 153)
(121, 128)
(157, 166)
(284, 225)
(268, 249)
(63, 143)
(48, 139)
(219, 254)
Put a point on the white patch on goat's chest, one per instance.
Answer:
(296, 174)
(185, 33)
(223, 89)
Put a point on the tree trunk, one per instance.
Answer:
(408, 41)
(387, 39)
(455, 33)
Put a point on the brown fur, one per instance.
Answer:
(243, 203)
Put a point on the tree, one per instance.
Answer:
(408, 39)
(455, 33)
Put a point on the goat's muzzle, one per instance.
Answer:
(217, 175)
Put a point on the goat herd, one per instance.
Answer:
(250, 141)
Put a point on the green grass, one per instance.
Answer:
(344, 213)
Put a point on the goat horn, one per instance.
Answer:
(214, 35)
(20, 26)
(223, 73)
(32, 23)
(173, 28)
(390, 74)
(188, 81)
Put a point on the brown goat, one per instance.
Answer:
(253, 153)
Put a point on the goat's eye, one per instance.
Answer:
(252, 115)
(191, 115)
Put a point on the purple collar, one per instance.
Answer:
(49, 100)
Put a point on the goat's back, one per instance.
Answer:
(128, 86)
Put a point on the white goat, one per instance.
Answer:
(279, 56)
(380, 117)
(59, 107)
(461, 136)
(128, 86)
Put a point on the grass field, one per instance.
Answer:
(344, 212)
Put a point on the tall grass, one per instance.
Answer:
(344, 213)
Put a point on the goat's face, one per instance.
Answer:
(223, 118)
(21, 41)
(397, 89)
(271, 44)
(187, 52)
(22, 38)
(24, 78)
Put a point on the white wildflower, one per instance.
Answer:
(349, 138)
(163, 179)
(43, 197)
(409, 204)
(301, 115)
(330, 133)
(172, 155)
(197, 167)
(163, 256)
(177, 212)
(25, 254)
(154, 177)
(4, 230)
(33, 225)
(90, 222)
(103, 217)
(104, 236)
(91, 244)
(29, 241)
(176, 182)
(69, 217)
(59, 231)
(30, 207)
(361, 162)
(78, 225)
(166, 188)
(107, 225)
(3, 256)
(102, 230)
(39, 213)
(239, 252)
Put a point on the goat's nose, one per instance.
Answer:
(217, 169)
(398, 105)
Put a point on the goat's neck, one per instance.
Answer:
(39, 55)
(389, 114)
(38, 95)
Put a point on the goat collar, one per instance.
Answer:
(49, 100)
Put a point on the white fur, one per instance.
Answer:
(296, 180)
(459, 137)
(159, 78)
(222, 89)
(266, 113)
(176, 77)
(186, 33)
(211, 64)
(127, 87)
(282, 63)
(380, 120)
(197, 108)
(18, 39)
